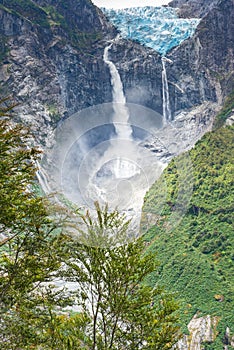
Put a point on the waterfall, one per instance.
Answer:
(42, 179)
(122, 168)
(121, 113)
(165, 89)
(41, 176)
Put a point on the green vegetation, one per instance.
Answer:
(197, 256)
(53, 113)
(226, 111)
(55, 18)
(117, 309)
(16, 175)
(123, 312)
(52, 18)
(27, 9)
(28, 243)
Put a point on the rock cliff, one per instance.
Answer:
(51, 59)
(201, 330)
(51, 65)
(191, 8)
(199, 71)
(203, 66)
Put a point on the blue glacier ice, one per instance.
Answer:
(156, 27)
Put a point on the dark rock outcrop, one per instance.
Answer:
(141, 73)
(51, 60)
(191, 8)
(203, 66)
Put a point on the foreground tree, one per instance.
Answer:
(19, 206)
(117, 310)
(29, 247)
(124, 312)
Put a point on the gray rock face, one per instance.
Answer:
(51, 74)
(182, 133)
(203, 66)
(55, 69)
(201, 330)
(191, 8)
(141, 73)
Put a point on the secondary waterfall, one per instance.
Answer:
(165, 89)
(42, 178)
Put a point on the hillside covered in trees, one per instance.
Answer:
(197, 255)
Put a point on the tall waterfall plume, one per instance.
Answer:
(89, 162)
(121, 113)
(167, 116)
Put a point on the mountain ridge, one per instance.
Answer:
(190, 8)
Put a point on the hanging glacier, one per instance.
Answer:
(156, 27)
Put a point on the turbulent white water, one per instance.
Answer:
(99, 155)
(121, 114)
(121, 167)
(119, 176)
(167, 116)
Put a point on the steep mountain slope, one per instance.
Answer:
(51, 60)
(197, 256)
(191, 8)
(204, 65)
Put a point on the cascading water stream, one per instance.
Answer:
(42, 179)
(122, 168)
(121, 114)
(92, 163)
(122, 173)
(167, 116)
